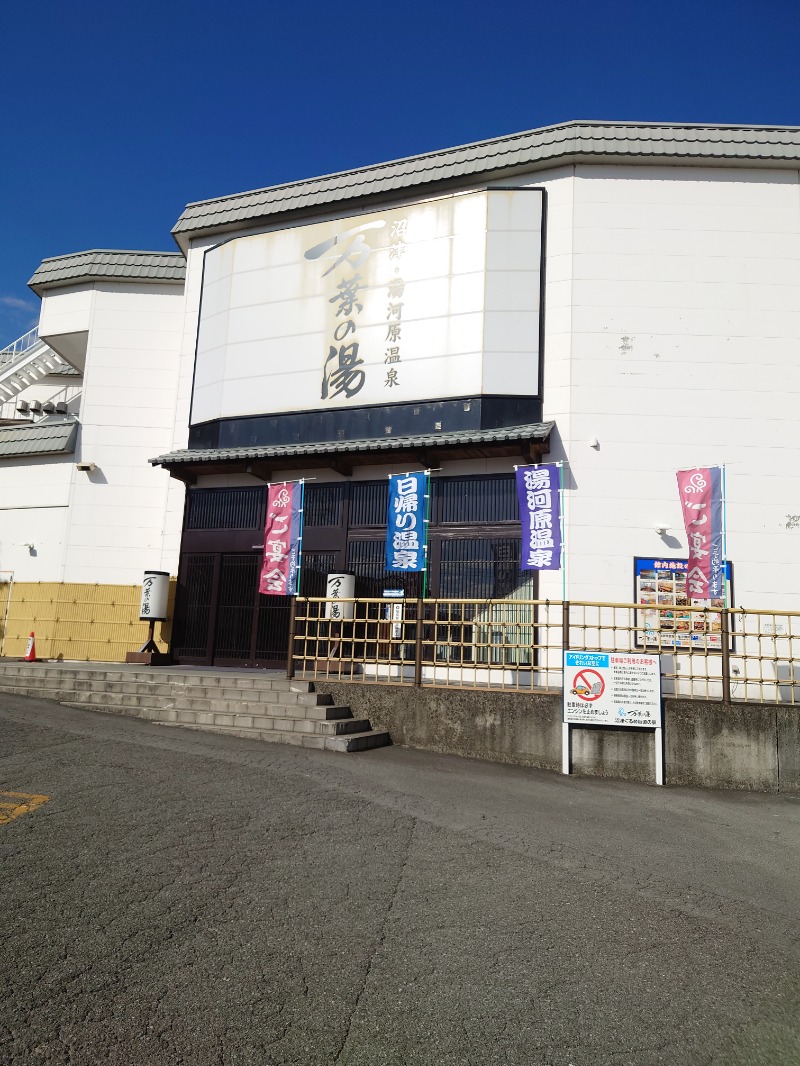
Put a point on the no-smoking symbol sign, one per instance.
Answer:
(588, 685)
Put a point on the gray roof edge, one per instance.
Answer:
(503, 139)
(99, 264)
(42, 438)
(696, 151)
(533, 431)
(111, 251)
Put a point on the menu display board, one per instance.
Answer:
(661, 591)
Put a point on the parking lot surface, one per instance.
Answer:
(176, 897)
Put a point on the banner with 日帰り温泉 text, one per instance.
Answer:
(540, 515)
(282, 538)
(700, 491)
(405, 525)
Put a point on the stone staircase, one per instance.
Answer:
(240, 703)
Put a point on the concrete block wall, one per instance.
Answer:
(754, 747)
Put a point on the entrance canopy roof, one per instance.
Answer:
(262, 461)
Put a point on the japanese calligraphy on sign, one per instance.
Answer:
(405, 527)
(394, 304)
(344, 372)
(701, 502)
(155, 591)
(340, 587)
(282, 534)
(147, 589)
(540, 515)
(382, 307)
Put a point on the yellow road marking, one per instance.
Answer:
(10, 811)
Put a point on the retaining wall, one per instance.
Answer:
(711, 745)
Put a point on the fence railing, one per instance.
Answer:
(19, 346)
(517, 645)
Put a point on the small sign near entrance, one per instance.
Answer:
(609, 688)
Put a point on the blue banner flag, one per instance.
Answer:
(405, 526)
(540, 514)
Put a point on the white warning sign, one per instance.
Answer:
(606, 688)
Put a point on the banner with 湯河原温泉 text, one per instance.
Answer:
(540, 515)
(282, 533)
(405, 526)
(700, 492)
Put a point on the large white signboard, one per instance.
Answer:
(612, 689)
(439, 299)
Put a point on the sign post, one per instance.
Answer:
(612, 689)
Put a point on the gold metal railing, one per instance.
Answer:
(518, 645)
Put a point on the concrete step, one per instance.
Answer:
(55, 688)
(253, 680)
(374, 738)
(272, 725)
(183, 708)
(351, 742)
(271, 709)
(323, 727)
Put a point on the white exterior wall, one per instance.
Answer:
(35, 492)
(53, 389)
(66, 310)
(187, 343)
(700, 270)
(118, 512)
(672, 336)
(34, 498)
(109, 525)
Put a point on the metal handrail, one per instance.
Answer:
(20, 346)
(728, 654)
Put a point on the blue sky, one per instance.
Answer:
(114, 116)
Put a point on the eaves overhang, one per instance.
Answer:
(263, 461)
(474, 164)
(110, 265)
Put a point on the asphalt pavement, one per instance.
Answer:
(185, 898)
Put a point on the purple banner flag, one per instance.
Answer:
(540, 514)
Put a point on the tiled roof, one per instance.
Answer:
(102, 265)
(41, 438)
(598, 142)
(538, 431)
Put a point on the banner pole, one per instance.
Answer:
(427, 525)
(562, 530)
(300, 538)
(724, 487)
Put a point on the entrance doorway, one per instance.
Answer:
(222, 619)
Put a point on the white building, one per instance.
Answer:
(86, 399)
(624, 298)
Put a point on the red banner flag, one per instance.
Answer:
(701, 501)
(281, 540)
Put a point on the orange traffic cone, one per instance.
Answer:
(30, 651)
